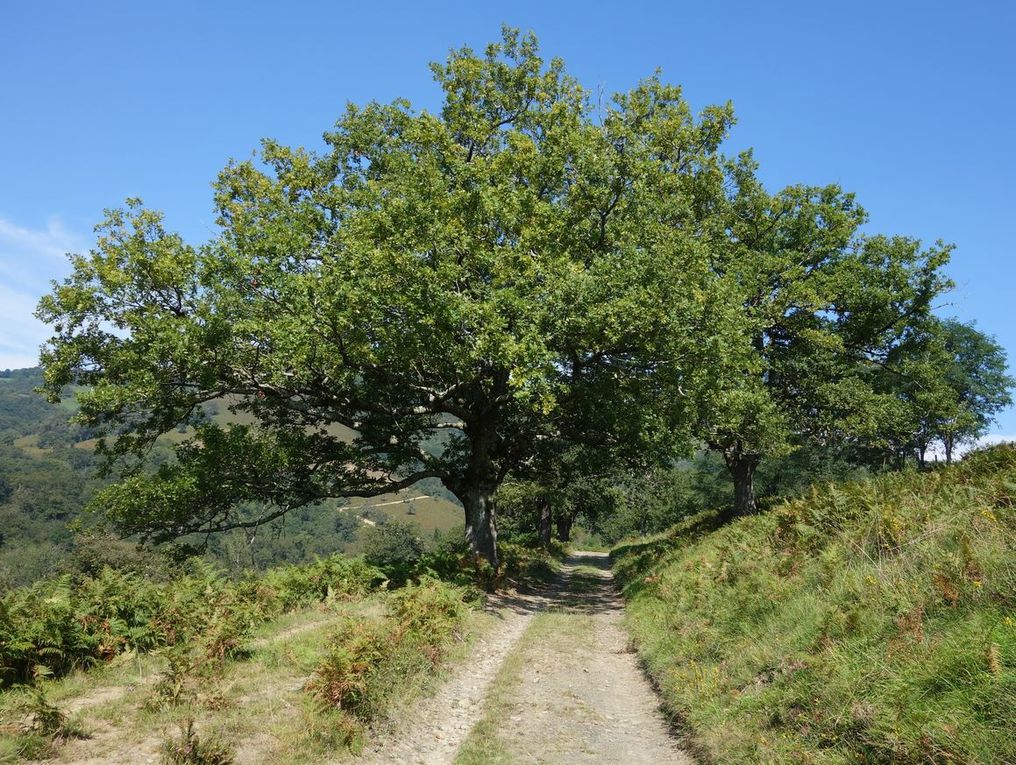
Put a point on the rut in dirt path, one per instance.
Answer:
(577, 694)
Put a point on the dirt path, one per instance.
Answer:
(441, 723)
(555, 683)
(573, 691)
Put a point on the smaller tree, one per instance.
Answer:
(811, 311)
(393, 547)
(973, 384)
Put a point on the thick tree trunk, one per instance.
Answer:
(564, 524)
(545, 522)
(948, 442)
(742, 470)
(481, 521)
(475, 489)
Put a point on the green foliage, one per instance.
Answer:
(454, 285)
(65, 623)
(286, 588)
(174, 684)
(864, 622)
(190, 749)
(394, 547)
(820, 325)
(44, 482)
(955, 385)
(369, 661)
(648, 502)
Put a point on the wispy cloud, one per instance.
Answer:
(29, 259)
(53, 241)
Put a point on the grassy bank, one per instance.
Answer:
(866, 622)
(293, 665)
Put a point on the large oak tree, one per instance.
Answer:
(450, 288)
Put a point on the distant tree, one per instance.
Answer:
(813, 311)
(969, 385)
(393, 547)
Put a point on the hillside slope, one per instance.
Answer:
(48, 475)
(867, 622)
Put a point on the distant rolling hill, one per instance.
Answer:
(47, 476)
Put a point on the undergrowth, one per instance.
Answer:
(65, 623)
(867, 622)
(192, 749)
(370, 662)
(41, 728)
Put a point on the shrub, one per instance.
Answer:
(394, 547)
(429, 614)
(368, 662)
(190, 749)
(357, 649)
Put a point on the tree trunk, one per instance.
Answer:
(481, 521)
(948, 442)
(545, 522)
(475, 489)
(742, 471)
(564, 524)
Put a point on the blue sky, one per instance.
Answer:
(909, 104)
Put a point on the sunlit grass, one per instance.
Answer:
(869, 622)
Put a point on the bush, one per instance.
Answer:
(65, 623)
(395, 547)
(368, 662)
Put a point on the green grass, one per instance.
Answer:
(868, 622)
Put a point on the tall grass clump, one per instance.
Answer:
(192, 749)
(865, 622)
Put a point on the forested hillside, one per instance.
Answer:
(48, 474)
(44, 480)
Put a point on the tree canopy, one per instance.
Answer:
(457, 295)
(816, 312)
(430, 296)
